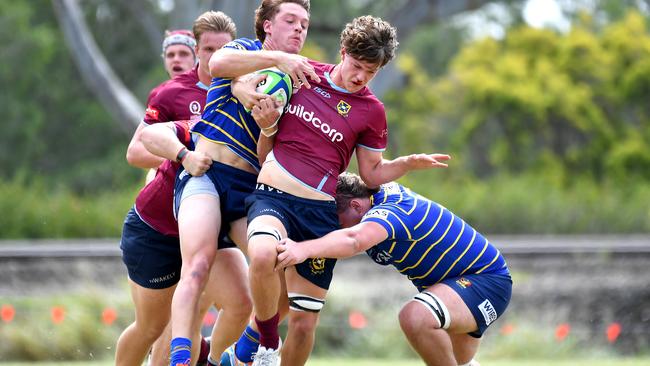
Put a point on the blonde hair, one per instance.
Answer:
(213, 21)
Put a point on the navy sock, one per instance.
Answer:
(269, 335)
(247, 345)
(181, 352)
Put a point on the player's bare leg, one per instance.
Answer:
(301, 332)
(465, 348)
(198, 222)
(152, 309)
(228, 289)
(425, 332)
(264, 280)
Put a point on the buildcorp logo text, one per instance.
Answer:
(308, 116)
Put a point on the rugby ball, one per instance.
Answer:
(277, 84)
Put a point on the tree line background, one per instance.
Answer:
(548, 127)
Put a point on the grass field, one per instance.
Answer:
(370, 362)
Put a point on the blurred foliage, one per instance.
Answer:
(540, 101)
(52, 126)
(81, 335)
(523, 204)
(40, 211)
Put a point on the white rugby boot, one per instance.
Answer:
(266, 356)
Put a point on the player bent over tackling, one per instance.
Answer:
(463, 279)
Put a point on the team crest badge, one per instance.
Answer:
(195, 107)
(463, 282)
(343, 108)
(317, 266)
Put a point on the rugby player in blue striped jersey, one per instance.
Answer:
(463, 280)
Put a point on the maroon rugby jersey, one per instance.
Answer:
(178, 99)
(321, 127)
(154, 92)
(154, 203)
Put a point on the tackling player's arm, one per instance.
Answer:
(137, 155)
(375, 170)
(341, 243)
(161, 140)
(231, 63)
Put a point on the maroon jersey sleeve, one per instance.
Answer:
(158, 108)
(375, 136)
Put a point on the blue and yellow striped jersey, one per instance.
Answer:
(427, 242)
(225, 120)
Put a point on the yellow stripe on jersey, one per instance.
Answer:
(489, 264)
(229, 117)
(435, 224)
(403, 226)
(407, 252)
(248, 130)
(219, 86)
(427, 234)
(442, 256)
(392, 246)
(401, 197)
(424, 217)
(230, 137)
(392, 228)
(430, 247)
(396, 205)
(485, 245)
(214, 101)
(460, 256)
(415, 204)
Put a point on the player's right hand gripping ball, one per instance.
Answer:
(276, 84)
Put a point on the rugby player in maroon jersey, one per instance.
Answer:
(150, 244)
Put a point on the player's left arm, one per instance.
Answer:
(375, 170)
(341, 243)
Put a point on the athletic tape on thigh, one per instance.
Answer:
(264, 230)
(436, 306)
(300, 302)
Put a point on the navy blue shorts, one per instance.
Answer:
(304, 219)
(486, 295)
(233, 186)
(152, 259)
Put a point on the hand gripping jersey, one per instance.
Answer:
(154, 203)
(321, 127)
(225, 120)
(427, 242)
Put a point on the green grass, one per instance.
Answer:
(371, 362)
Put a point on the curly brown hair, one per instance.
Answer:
(370, 39)
(213, 21)
(350, 186)
(268, 9)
